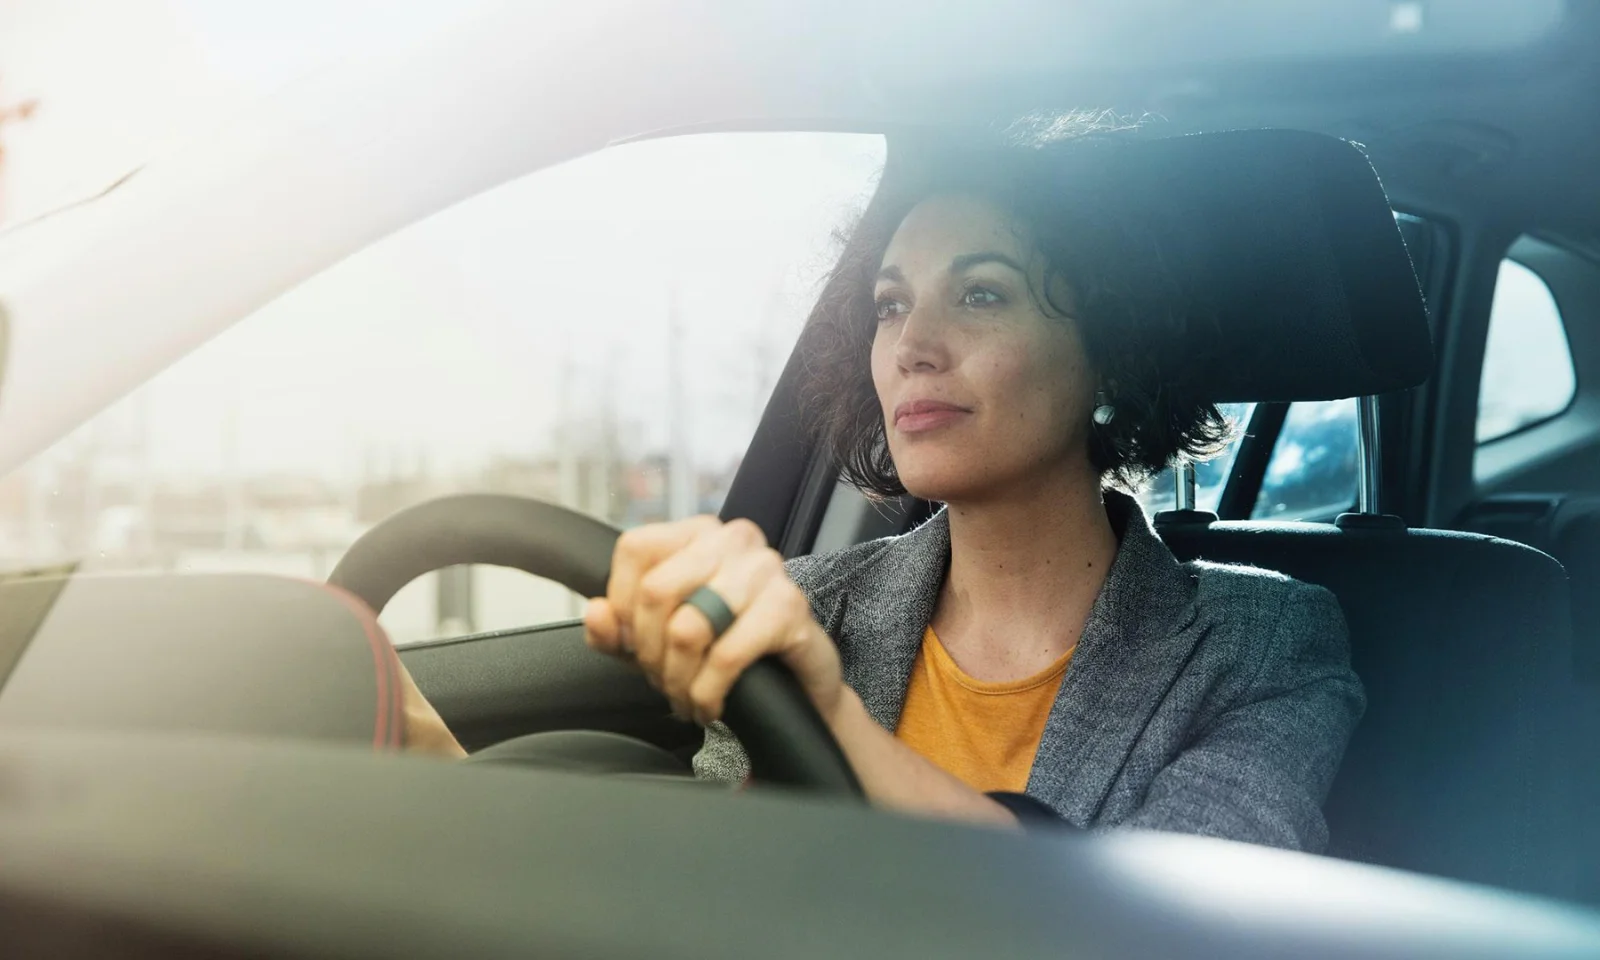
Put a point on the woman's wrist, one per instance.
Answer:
(858, 735)
(847, 713)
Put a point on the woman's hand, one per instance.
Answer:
(642, 616)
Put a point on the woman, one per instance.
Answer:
(1003, 336)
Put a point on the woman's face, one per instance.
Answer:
(983, 391)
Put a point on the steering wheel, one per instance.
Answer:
(786, 739)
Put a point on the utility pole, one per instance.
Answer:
(605, 471)
(567, 491)
(682, 497)
(10, 114)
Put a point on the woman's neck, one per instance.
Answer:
(1024, 573)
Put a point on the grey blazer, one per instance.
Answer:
(1202, 698)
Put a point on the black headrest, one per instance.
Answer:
(1287, 241)
(227, 654)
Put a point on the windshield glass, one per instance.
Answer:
(603, 334)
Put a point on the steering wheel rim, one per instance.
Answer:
(786, 739)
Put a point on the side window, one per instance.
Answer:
(1528, 375)
(1312, 473)
(603, 334)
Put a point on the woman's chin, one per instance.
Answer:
(943, 486)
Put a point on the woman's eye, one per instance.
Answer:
(890, 308)
(980, 297)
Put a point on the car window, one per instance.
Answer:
(1528, 375)
(603, 334)
(1312, 472)
(1210, 476)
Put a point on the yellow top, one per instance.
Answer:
(985, 734)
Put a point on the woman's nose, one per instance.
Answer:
(923, 345)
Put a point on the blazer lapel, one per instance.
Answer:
(1134, 644)
(879, 616)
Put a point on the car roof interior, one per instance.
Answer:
(1489, 120)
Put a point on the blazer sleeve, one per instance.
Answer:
(1260, 770)
(721, 758)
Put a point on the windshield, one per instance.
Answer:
(603, 335)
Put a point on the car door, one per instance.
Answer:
(1535, 439)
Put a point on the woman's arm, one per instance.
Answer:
(897, 777)
(425, 730)
(1260, 772)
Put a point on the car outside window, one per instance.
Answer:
(603, 334)
(1312, 472)
(1528, 375)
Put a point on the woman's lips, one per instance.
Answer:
(921, 416)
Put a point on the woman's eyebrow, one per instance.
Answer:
(891, 273)
(967, 261)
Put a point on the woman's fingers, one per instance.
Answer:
(687, 635)
(664, 588)
(643, 615)
(601, 628)
(640, 549)
(771, 624)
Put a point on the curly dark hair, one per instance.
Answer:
(1056, 180)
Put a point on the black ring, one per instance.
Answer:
(715, 609)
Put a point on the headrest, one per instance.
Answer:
(228, 654)
(1284, 239)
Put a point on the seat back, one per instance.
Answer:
(1476, 756)
(232, 654)
(1566, 526)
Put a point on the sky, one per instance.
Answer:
(474, 332)
(471, 334)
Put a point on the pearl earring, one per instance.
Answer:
(1104, 412)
